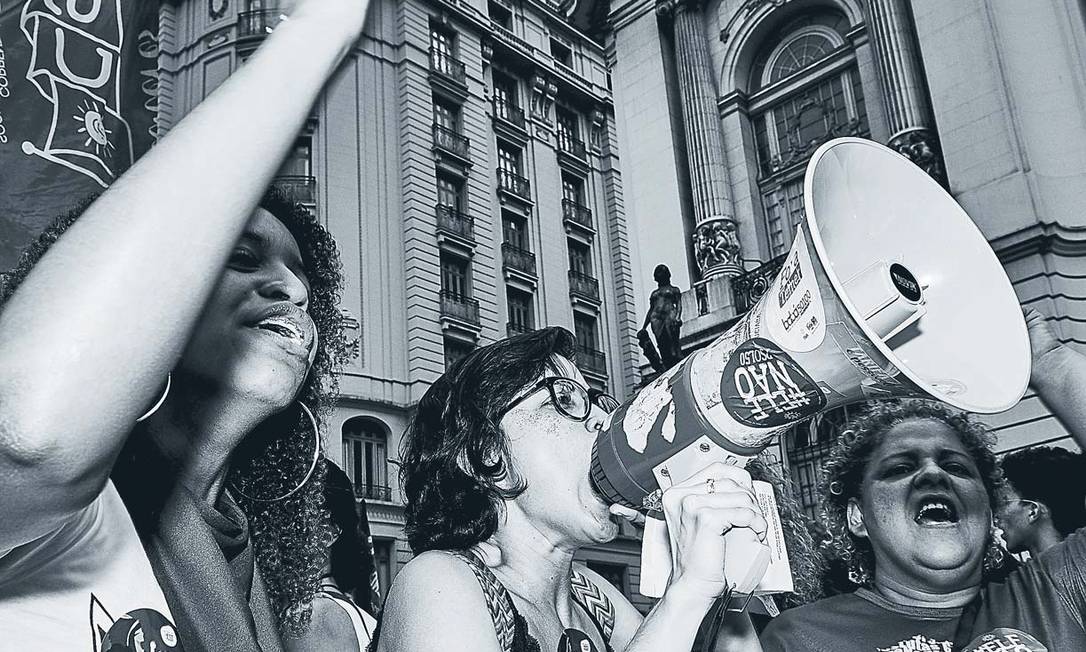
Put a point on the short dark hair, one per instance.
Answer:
(844, 469)
(1053, 476)
(454, 452)
(661, 274)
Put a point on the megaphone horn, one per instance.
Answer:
(889, 290)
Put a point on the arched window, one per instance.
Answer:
(804, 90)
(365, 457)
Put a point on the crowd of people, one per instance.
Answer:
(169, 353)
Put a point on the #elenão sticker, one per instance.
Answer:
(763, 387)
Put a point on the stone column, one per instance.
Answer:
(908, 109)
(715, 241)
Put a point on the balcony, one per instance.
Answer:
(591, 361)
(258, 23)
(513, 328)
(462, 309)
(373, 492)
(571, 145)
(509, 113)
(514, 184)
(748, 287)
(455, 230)
(585, 287)
(517, 259)
(301, 189)
(452, 142)
(574, 214)
(448, 67)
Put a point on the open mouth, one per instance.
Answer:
(936, 511)
(289, 323)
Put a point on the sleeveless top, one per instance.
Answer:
(362, 622)
(510, 626)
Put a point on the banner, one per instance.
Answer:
(78, 102)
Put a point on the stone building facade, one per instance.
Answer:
(465, 158)
(719, 105)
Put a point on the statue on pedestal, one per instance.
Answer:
(665, 318)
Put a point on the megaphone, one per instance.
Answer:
(889, 290)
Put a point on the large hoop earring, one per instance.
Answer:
(308, 474)
(159, 402)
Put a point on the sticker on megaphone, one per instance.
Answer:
(763, 387)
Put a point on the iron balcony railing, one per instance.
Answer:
(571, 145)
(450, 141)
(453, 221)
(748, 287)
(584, 286)
(302, 188)
(513, 328)
(514, 183)
(258, 23)
(518, 259)
(459, 307)
(445, 64)
(509, 112)
(576, 213)
(373, 492)
(591, 360)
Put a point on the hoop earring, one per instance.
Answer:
(308, 474)
(159, 402)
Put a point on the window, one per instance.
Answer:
(822, 102)
(808, 445)
(499, 14)
(567, 125)
(579, 258)
(449, 192)
(365, 457)
(454, 275)
(508, 158)
(515, 231)
(584, 328)
(298, 162)
(382, 559)
(447, 115)
(520, 310)
(573, 189)
(613, 573)
(455, 351)
(505, 90)
(561, 52)
(442, 43)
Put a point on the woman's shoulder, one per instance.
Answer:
(435, 602)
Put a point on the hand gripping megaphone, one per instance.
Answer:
(889, 290)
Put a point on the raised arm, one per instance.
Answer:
(88, 338)
(1058, 375)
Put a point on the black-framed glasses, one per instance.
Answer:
(572, 399)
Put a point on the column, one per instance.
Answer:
(716, 240)
(912, 128)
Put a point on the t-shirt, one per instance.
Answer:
(1037, 608)
(86, 586)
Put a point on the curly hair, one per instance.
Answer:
(289, 537)
(803, 556)
(1053, 476)
(844, 469)
(454, 453)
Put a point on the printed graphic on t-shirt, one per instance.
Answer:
(140, 630)
(919, 643)
(1005, 639)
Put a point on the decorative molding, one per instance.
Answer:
(921, 146)
(543, 91)
(599, 126)
(716, 247)
(219, 11)
(352, 333)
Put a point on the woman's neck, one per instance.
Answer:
(533, 568)
(911, 596)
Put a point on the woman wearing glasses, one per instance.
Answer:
(496, 477)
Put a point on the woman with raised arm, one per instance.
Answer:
(496, 476)
(182, 290)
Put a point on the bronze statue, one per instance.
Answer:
(665, 318)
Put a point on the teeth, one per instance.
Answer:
(283, 327)
(936, 510)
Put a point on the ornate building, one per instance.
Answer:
(466, 160)
(720, 103)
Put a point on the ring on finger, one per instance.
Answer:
(710, 486)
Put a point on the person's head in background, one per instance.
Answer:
(350, 558)
(1044, 498)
